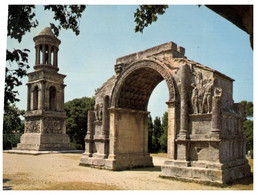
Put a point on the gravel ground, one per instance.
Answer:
(62, 172)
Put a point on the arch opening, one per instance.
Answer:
(131, 114)
(137, 89)
(158, 119)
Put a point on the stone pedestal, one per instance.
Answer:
(42, 142)
(204, 171)
(45, 130)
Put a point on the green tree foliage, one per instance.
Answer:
(157, 137)
(248, 125)
(76, 123)
(150, 133)
(13, 127)
(146, 14)
(164, 133)
(157, 132)
(21, 18)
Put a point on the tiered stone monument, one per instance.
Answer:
(205, 126)
(45, 127)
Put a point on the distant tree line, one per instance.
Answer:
(76, 125)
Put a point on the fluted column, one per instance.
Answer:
(55, 56)
(89, 136)
(42, 95)
(62, 97)
(105, 116)
(29, 97)
(49, 54)
(216, 112)
(37, 54)
(43, 54)
(184, 102)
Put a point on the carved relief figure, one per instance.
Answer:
(200, 99)
(53, 126)
(98, 110)
(202, 94)
(194, 98)
(207, 99)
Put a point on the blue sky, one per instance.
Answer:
(107, 32)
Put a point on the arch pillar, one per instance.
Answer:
(172, 116)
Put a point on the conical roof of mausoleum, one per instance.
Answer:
(47, 31)
(46, 36)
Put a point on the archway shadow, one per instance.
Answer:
(7, 187)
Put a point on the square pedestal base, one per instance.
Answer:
(117, 163)
(44, 142)
(207, 172)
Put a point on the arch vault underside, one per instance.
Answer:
(205, 130)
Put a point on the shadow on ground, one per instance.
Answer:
(148, 169)
(6, 187)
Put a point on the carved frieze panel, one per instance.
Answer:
(32, 126)
(35, 76)
(53, 77)
(202, 90)
(53, 126)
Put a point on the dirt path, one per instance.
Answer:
(62, 172)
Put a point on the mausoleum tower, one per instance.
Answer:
(45, 127)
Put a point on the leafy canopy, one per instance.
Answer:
(248, 125)
(76, 123)
(146, 14)
(13, 127)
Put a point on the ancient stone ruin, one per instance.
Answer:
(45, 127)
(205, 126)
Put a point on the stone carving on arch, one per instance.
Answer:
(164, 71)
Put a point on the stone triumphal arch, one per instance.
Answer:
(205, 126)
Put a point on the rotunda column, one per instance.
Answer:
(37, 54)
(43, 54)
(49, 54)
